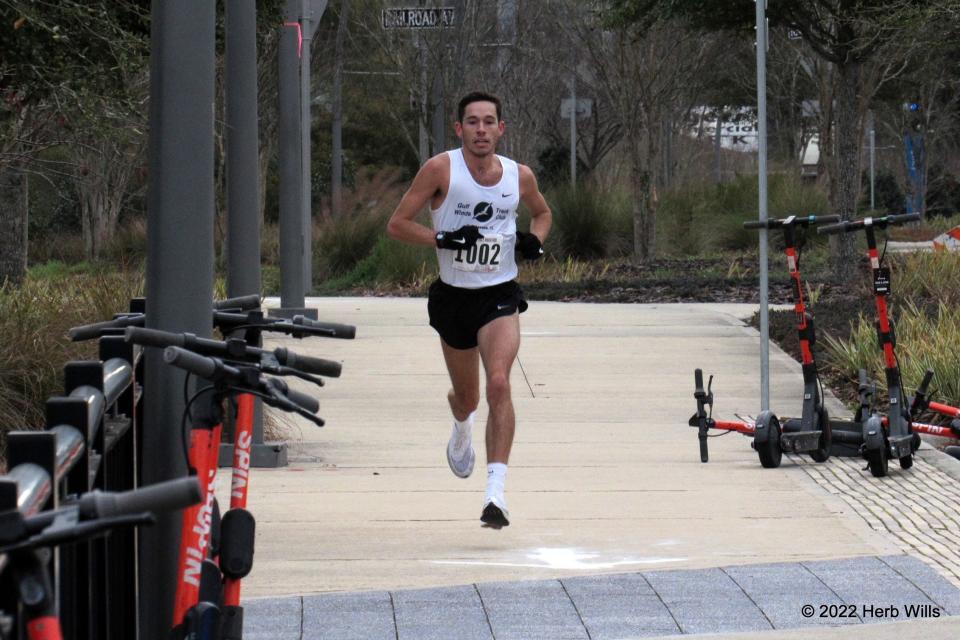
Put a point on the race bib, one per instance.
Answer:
(483, 257)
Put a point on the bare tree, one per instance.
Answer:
(648, 75)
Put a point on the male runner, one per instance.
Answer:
(475, 305)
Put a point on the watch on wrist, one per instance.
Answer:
(439, 238)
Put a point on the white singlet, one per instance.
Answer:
(494, 211)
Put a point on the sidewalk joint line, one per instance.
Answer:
(483, 607)
(915, 585)
(576, 609)
(665, 606)
(723, 570)
(829, 588)
(301, 617)
(393, 610)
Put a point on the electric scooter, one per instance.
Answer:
(811, 433)
(895, 436)
(704, 421)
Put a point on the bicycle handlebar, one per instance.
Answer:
(881, 223)
(231, 350)
(802, 221)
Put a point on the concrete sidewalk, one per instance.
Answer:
(605, 475)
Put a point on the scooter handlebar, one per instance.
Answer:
(159, 497)
(925, 383)
(881, 223)
(189, 361)
(803, 221)
(305, 401)
(243, 303)
(343, 331)
(97, 329)
(308, 364)
(154, 337)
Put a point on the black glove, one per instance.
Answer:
(462, 238)
(529, 245)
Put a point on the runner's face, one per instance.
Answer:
(480, 129)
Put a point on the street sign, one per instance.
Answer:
(418, 18)
(584, 107)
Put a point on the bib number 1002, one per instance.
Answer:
(480, 254)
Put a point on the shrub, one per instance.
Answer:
(33, 322)
(933, 275)
(703, 217)
(390, 264)
(342, 243)
(588, 222)
(923, 341)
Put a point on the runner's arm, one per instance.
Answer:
(540, 216)
(402, 225)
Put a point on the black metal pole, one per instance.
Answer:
(291, 190)
(179, 263)
(243, 185)
(306, 28)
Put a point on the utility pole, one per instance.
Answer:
(873, 159)
(716, 147)
(336, 186)
(573, 129)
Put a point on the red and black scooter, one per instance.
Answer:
(811, 432)
(893, 435)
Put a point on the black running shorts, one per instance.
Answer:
(457, 314)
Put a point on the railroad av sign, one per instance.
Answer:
(418, 18)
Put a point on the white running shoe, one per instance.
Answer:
(495, 514)
(462, 465)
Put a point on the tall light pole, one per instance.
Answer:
(762, 153)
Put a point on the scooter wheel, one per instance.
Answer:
(877, 459)
(906, 462)
(826, 437)
(769, 451)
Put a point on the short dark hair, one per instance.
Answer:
(477, 96)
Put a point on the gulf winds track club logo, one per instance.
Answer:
(483, 211)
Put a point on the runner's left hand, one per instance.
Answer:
(529, 245)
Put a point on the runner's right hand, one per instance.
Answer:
(462, 238)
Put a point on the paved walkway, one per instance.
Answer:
(635, 605)
(605, 477)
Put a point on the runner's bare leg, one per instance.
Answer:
(499, 342)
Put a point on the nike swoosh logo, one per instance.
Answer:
(460, 240)
(506, 195)
(501, 307)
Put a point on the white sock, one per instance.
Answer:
(496, 475)
(462, 431)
